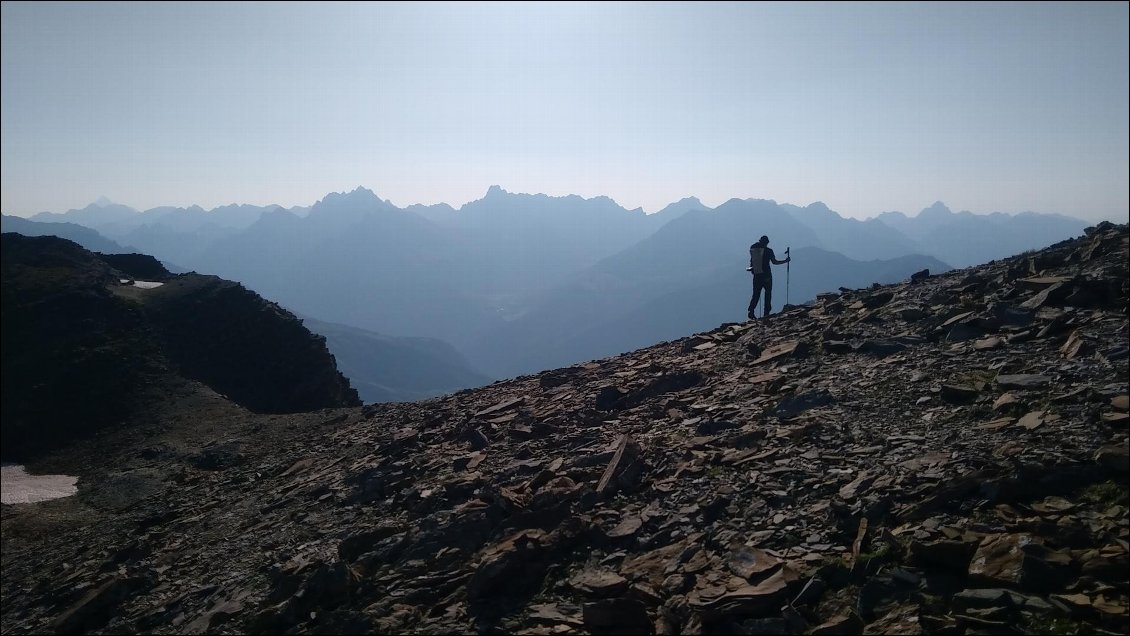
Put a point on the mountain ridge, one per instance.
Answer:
(495, 190)
(82, 341)
(87, 237)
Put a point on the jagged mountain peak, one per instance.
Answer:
(685, 204)
(495, 194)
(359, 194)
(891, 214)
(748, 201)
(349, 207)
(936, 209)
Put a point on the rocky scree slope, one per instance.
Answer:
(945, 455)
(80, 347)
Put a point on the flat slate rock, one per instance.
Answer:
(1023, 381)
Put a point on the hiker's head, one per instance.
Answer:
(764, 240)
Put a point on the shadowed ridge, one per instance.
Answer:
(81, 350)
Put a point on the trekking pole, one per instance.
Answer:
(787, 271)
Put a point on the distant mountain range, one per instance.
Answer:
(560, 231)
(964, 239)
(522, 282)
(177, 234)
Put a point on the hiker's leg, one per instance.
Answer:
(768, 284)
(756, 296)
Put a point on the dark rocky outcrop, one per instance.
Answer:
(74, 354)
(81, 351)
(137, 266)
(243, 346)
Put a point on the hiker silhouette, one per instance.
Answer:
(760, 256)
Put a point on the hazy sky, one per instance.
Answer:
(866, 107)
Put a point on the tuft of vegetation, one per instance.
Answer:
(880, 551)
(977, 376)
(1054, 625)
(932, 604)
(1106, 493)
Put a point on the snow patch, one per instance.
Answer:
(16, 486)
(140, 284)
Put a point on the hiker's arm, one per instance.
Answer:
(787, 259)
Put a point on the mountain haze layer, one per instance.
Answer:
(567, 277)
(86, 237)
(387, 369)
(963, 238)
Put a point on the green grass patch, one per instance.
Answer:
(976, 376)
(932, 604)
(1054, 625)
(880, 552)
(1106, 493)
